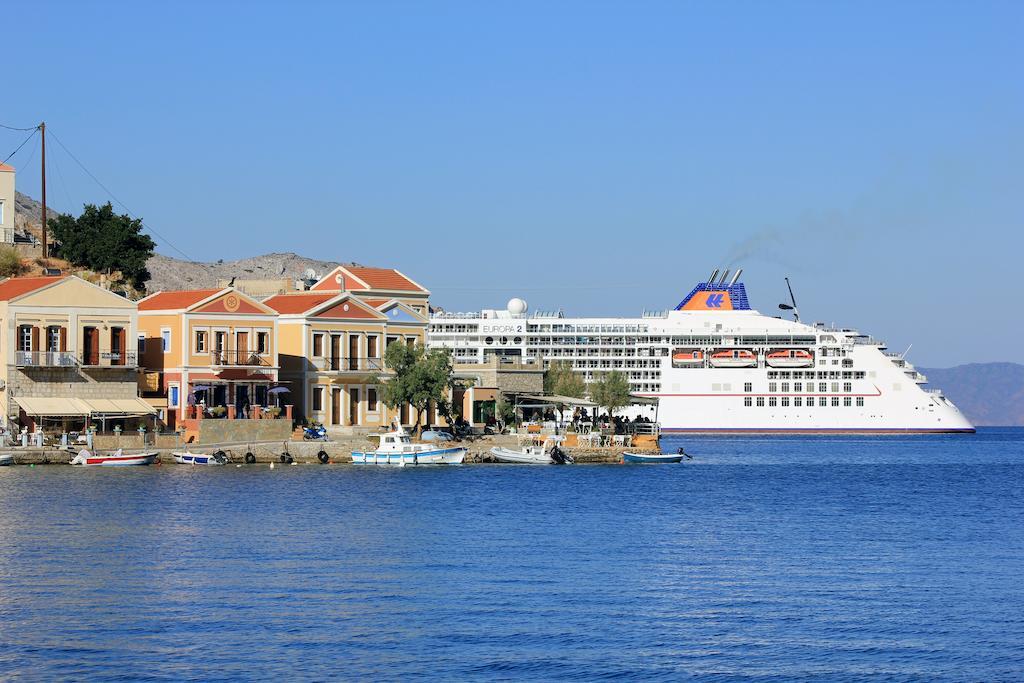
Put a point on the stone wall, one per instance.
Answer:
(240, 431)
(71, 382)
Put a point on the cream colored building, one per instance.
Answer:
(332, 340)
(6, 203)
(69, 355)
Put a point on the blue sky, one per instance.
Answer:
(598, 157)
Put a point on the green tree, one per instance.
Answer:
(10, 262)
(610, 391)
(561, 380)
(103, 241)
(419, 378)
(506, 412)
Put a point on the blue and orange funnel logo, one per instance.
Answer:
(709, 301)
(716, 296)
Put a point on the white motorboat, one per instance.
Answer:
(548, 454)
(396, 448)
(115, 459)
(186, 458)
(6, 459)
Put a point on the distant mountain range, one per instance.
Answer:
(989, 394)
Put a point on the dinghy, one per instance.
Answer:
(115, 459)
(548, 454)
(654, 458)
(215, 458)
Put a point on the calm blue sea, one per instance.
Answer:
(783, 558)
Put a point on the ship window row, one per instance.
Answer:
(820, 374)
(775, 387)
(434, 328)
(596, 353)
(800, 402)
(606, 329)
(616, 342)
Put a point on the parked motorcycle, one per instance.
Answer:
(315, 432)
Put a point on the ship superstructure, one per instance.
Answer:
(717, 365)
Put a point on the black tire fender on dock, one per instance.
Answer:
(220, 454)
(250, 458)
(323, 457)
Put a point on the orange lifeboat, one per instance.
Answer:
(734, 358)
(687, 357)
(790, 358)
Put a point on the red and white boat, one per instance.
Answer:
(734, 358)
(115, 459)
(790, 358)
(687, 357)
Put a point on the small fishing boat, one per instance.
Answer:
(215, 458)
(396, 448)
(653, 458)
(6, 459)
(115, 459)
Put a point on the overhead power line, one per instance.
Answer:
(16, 128)
(30, 136)
(114, 197)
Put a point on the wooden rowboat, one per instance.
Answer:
(652, 458)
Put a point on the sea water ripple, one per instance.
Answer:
(782, 558)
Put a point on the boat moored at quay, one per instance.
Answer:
(396, 448)
(716, 365)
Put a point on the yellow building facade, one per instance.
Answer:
(212, 348)
(332, 340)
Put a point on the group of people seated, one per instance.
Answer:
(621, 425)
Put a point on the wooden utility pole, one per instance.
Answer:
(42, 131)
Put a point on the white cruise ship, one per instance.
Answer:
(716, 365)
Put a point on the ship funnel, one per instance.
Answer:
(736, 277)
(724, 275)
(711, 280)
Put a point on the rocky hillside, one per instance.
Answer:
(28, 213)
(172, 273)
(989, 394)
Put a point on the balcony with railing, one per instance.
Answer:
(109, 359)
(348, 364)
(235, 358)
(45, 359)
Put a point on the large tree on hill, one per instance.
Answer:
(105, 242)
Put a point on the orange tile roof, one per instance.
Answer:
(14, 287)
(175, 300)
(5, 167)
(299, 302)
(376, 303)
(383, 278)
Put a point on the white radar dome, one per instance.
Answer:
(517, 306)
